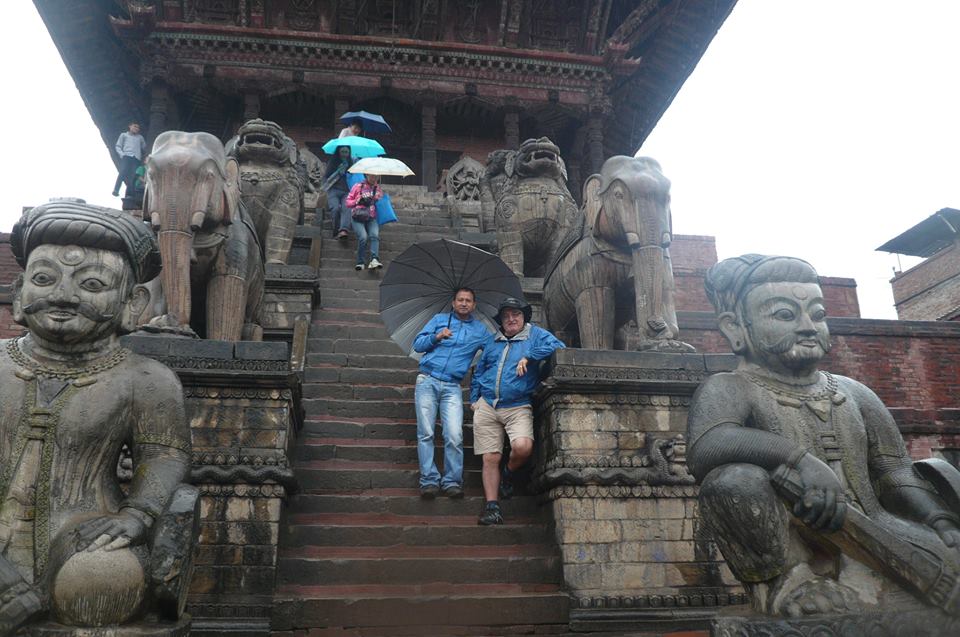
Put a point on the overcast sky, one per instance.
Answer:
(813, 128)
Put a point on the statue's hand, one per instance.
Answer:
(947, 530)
(111, 532)
(822, 505)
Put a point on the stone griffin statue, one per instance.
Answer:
(77, 549)
(620, 247)
(806, 485)
(271, 184)
(524, 193)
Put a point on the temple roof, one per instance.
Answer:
(625, 59)
(928, 237)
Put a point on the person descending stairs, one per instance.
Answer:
(360, 552)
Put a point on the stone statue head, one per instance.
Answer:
(82, 264)
(771, 310)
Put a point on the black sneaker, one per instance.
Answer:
(429, 492)
(491, 515)
(358, 267)
(453, 492)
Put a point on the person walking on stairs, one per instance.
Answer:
(448, 342)
(335, 185)
(131, 148)
(362, 202)
(503, 381)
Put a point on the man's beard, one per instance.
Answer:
(792, 356)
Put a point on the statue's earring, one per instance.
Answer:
(737, 344)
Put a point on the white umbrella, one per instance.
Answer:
(381, 166)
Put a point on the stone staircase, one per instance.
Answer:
(361, 553)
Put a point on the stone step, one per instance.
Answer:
(332, 295)
(342, 391)
(426, 529)
(398, 450)
(354, 346)
(396, 360)
(359, 318)
(348, 329)
(406, 502)
(415, 605)
(337, 374)
(344, 474)
(351, 304)
(349, 281)
(399, 564)
(351, 408)
(330, 426)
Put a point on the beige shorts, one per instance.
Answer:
(489, 425)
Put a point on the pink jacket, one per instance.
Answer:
(364, 190)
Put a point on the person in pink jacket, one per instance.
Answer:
(362, 203)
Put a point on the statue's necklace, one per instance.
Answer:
(778, 388)
(32, 368)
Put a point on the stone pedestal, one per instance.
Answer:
(611, 464)
(926, 622)
(144, 628)
(243, 404)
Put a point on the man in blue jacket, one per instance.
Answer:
(503, 381)
(448, 342)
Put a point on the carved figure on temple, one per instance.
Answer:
(463, 180)
(619, 248)
(271, 185)
(213, 273)
(77, 548)
(806, 485)
(311, 175)
(524, 193)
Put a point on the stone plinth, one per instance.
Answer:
(243, 404)
(611, 464)
(924, 622)
(144, 628)
(290, 292)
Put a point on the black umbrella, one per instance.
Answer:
(421, 282)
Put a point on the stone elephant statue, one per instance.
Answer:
(213, 274)
(525, 193)
(623, 237)
(271, 184)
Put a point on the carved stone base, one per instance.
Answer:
(904, 623)
(146, 628)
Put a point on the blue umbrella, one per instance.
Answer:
(359, 146)
(371, 122)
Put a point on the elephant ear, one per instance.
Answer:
(591, 200)
(231, 192)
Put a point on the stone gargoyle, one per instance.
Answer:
(620, 246)
(525, 193)
(271, 185)
(213, 273)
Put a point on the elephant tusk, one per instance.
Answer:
(155, 220)
(197, 221)
(633, 239)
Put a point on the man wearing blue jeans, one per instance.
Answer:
(448, 343)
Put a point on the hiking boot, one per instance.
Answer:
(358, 267)
(342, 235)
(491, 514)
(454, 492)
(375, 264)
(429, 492)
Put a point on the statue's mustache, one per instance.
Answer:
(84, 309)
(786, 343)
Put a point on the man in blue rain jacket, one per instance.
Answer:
(503, 382)
(449, 342)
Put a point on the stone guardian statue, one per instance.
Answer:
(77, 548)
(806, 485)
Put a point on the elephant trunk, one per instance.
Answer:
(176, 248)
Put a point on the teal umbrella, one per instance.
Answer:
(359, 146)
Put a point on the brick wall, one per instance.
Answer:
(930, 290)
(9, 271)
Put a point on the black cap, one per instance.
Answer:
(516, 304)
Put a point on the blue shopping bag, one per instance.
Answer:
(353, 179)
(385, 213)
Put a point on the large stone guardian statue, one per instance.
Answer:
(806, 484)
(271, 185)
(75, 545)
(620, 248)
(213, 272)
(525, 193)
